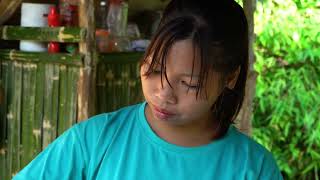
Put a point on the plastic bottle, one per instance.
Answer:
(101, 15)
(117, 25)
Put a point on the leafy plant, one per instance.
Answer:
(287, 104)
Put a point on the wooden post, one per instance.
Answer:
(245, 114)
(7, 8)
(86, 86)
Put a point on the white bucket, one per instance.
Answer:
(34, 15)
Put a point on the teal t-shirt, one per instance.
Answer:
(122, 146)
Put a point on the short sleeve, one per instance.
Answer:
(269, 169)
(64, 158)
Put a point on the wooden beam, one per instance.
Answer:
(86, 86)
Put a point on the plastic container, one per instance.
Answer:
(34, 15)
(117, 17)
(133, 31)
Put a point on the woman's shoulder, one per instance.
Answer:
(246, 143)
(254, 153)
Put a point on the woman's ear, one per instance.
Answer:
(232, 78)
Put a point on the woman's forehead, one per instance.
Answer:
(182, 55)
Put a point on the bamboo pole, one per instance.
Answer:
(86, 88)
(38, 110)
(67, 97)
(44, 34)
(117, 84)
(41, 57)
(115, 99)
(50, 104)
(2, 126)
(46, 123)
(101, 88)
(28, 114)
(73, 79)
(63, 88)
(55, 99)
(3, 120)
(14, 121)
(9, 103)
(126, 78)
(109, 88)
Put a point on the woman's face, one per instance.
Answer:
(178, 105)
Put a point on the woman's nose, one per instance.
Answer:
(166, 92)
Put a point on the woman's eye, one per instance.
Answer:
(193, 87)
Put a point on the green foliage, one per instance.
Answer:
(287, 104)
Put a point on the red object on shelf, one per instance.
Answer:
(53, 47)
(53, 21)
(53, 17)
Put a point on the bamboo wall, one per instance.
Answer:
(40, 99)
(39, 104)
(118, 81)
(41, 90)
(40, 93)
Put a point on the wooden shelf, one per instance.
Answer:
(45, 34)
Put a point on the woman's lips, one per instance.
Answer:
(161, 113)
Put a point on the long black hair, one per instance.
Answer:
(219, 30)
